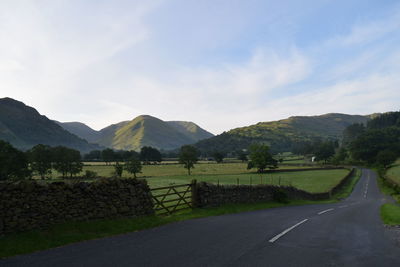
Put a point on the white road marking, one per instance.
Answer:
(344, 206)
(322, 212)
(366, 187)
(272, 240)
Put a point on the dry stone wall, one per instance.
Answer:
(210, 195)
(29, 205)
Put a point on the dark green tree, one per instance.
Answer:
(241, 155)
(150, 154)
(352, 132)
(66, 161)
(133, 166)
(93, 155)
(325, 151)
(261, 158)
(13, 163)
(385, 158)
(367, 146)
(40, 159)
(218, 156)
(188, 157)
(108, 155)
(118, 168)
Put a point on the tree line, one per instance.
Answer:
(40, 159)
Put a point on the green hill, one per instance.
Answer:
(24, 127)
(81, 130)
(283, 134)
(146, 130)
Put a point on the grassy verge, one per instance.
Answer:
(390, 214)
(387, 189)
(349, 186)
(71, 232)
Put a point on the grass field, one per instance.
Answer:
(311, 181)
(394, 172)
(390, 214)
(226, 173)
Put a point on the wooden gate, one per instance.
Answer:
(170, 199)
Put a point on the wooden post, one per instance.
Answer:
(195, 200)
(251, 181)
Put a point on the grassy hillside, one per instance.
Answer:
(282, 134)
(149, 131)
(24, 127)
(81, 130)
(191, 130)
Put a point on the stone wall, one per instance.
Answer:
(210, 195)
(30, 205)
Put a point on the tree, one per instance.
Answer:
(325, 150)
(67, 160)
(93, 155)
(150, 154)
(108, 155)
(352, 132)
(40, 158)
(188, 157)
(340, 156)
(118, 169)
(133, 166)
(261, 158)
(367, 146)
(218, 156)
(13, 163)
(242, 156)
(385, 158)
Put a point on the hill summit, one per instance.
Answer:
(144, 130)
(24, 128)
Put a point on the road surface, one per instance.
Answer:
(349, 233)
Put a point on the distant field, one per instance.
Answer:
(394, 172)
(226, 173)
(311, 181)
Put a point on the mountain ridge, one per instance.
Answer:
(23, 126)
(281, 135)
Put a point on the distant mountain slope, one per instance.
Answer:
(191, 130)
(146, 130)
(81, 130)
(282, 134)
(24, 127)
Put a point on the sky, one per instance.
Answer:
(219, 63)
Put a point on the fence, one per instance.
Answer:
(170, 199)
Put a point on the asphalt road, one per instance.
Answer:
(349, 233)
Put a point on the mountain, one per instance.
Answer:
(146, 130)
(24, 127)
(191, 130)
(81, 130)
(283, 134)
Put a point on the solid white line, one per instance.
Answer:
(322, 212)
(272, 240)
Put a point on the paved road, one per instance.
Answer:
(348, 233)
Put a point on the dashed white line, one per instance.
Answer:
(272, 240)
(366, 187)
(322, 212)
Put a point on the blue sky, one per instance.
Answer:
(222, 64)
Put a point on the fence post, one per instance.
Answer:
(194, 189)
